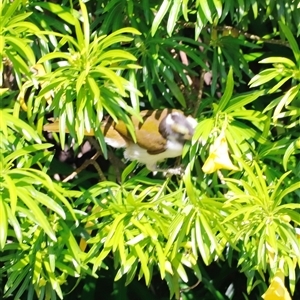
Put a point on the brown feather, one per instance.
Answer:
(109, 132)
(148, 130)
(54, 127)
(146, 133)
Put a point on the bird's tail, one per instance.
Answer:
(111, 135)
(54, 127)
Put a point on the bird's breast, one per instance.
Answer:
(135, 152)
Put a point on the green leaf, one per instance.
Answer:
(292, 148)
(20, 65)
(278, 60)
(134, 93)
(18, 18)
(23, 287)
(3, 224)
(175, 89)
(12, 192)
(143, 258)
(55, 55)
(219, 7)
(110, 75)
(173, 16)
(24, 26)
(48, 202)
(291, 239)
(241, 100)
(80, 85)
(174, 229)
(18, 278)
(250, 115)
(115, 56)
(235, 140)
(205, 7)
(288, 190)
(12, 8)
(271, 238)
(261, 249)
(228, 91)
(38, 213)
(241, 8)
(63, 12)
(185, 9)
(71, 243)
(52, 278)
(120, 31)
(66, 269)
(202, 243)
(86, 25)
(203, 130)
(161, 259)
(277, 86)
(180, 270)
(263, 77)
(286, 100)
(292, 273)
(208, 230)
(14, 223)
(160, 15)
(26, 150)
(256, 181)
(247, 132)
(22, 48)
(293, 43)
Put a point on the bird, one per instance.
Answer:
(161, 135)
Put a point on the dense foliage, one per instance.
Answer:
(73, 223)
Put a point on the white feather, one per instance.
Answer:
(135, 152)
(115, 143)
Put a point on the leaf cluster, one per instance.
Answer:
(81, 61)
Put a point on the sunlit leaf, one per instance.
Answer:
(160, 15)
(62, 12)
(206, 9)
(173, 16)
(288, 34)
(228, 91)
(278, 60)
(3, 224)
(263, 77)
(38, 213)
(286, 99)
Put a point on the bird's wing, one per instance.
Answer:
(112, 136)
(147, 133)
(149, 138)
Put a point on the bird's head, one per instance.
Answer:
(177, 127)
